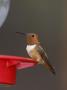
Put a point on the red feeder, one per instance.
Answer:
(9, 65)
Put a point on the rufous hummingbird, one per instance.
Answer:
(35, 51)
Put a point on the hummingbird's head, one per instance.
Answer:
(31, 38)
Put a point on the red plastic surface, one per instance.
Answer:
(9, 65)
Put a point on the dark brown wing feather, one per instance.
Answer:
(45, 58)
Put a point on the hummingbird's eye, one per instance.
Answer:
(32, 35)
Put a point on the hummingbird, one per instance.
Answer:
(35, 50)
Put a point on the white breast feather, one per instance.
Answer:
(29, 48)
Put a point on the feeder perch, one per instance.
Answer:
(10, 64)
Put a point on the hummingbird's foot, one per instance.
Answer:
(41, 62)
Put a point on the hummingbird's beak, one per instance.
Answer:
(20, 33)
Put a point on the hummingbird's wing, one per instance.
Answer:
(45, 58)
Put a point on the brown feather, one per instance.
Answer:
(45, 58)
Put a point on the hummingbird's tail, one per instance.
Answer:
(49, 67)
